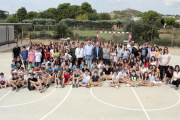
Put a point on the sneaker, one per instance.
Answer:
(47, 86)
(40, 90)
(99, 85)
(73, 86)
(92, 85)
(17, 89)
(77, 85)
(63, 86)
(56, 85)
(117, 87)
(44, 88)
(176, 88)
(87, 86)
(13, 88)
(59, 86)
(127, 85)
(109, 85)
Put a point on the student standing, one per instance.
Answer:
(24, 56)
(16, 51)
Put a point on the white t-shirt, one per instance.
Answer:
(129, 47)
(115, 78)
(26, 77)
(165, 58)
(176, 75)
(101, 66)
(153, 53)
(3, 79)
(79, 52)
(122, 75)
(125, 53)
(152, 78)
(86, 78)
(38, 56)
(143, 70)
(112, 55)
(51, 52)
(115, 57)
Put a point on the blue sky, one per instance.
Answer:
(161, 6)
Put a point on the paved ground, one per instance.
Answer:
(98, 103)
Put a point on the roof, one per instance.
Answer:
(13, 24)
(3, 11)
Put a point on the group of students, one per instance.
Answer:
(88, 64)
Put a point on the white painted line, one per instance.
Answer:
(141, 104)
(111, 104)
(4, 95)
(57, 105)
(28, 102)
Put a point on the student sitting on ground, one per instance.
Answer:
(86, 80)
(96, 70)
(3, 81)
(76, 77)
(101, 66)
(107, 73)
(15, 82)
(145, 80)
(95, 80)
(47, 78)
(13, 65)
(176, 77)
(58, 78)
(133, 79)
(168, 75)
(115, 80)
(50, 69)
(34, 82)
(30, 66)
(85, 68)
(122, 76)
(24, 82)
(153, 78)
(93, 65)
(66, 79)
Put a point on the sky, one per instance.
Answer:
(161, 6)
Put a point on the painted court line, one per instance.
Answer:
(5, 95)
(141, 104)
(27, 102)
(57, 105)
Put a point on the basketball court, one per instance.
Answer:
(104, 103)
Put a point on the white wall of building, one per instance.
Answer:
(3, 34)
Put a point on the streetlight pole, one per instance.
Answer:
(12, 12)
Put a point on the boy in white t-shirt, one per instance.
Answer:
(3, 81)
(101, 66)
(115, 80)
(38, 56)
(86, 79)
(122, 76)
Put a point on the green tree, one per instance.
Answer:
(87, 7)
(3, 16)
(11, 20)
(82, 17)
(21, 13)
(31, 15)
(104, 16)
(63, 11)
(175, 34)
(93, 16)
(169, 21)
(62, 30)
(116, 17)
(151, 16)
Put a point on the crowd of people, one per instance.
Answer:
(89, 64)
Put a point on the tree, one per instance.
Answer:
(63, 11)
(93, 16)
(169, 21)
(62, 31)
(21, 13)
(11, 20)
(116, 17)
(31, 15)
(82, 17)
(87, 7)
(175, 34)
(104, 16)
(3, 16)
(151, 16)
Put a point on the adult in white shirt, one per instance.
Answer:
(88, 54)
(38, 56)
(86, 79)
(115, 80)
(79, 52)
(165, 58)
(122, 76)
(176, 77)
(129, 46)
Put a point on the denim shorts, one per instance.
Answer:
(114, 83)
(25, 63)
(84, 82)
(38, 63)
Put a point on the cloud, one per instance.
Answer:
(172, 3)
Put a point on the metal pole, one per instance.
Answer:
(17, 36)
(48, 32)
(22, 35)
(8, 36)
(34, 31)
(172, 37)
(30, 35)
(77, 32)
(151, 34)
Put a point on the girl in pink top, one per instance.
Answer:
(31, 56)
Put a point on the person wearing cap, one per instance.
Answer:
(88, 54)
(24, 56)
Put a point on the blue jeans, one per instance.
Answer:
(89, 61)
(38, 64)
(125, 57)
